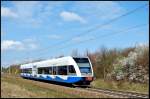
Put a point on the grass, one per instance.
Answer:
(124, 86)
(13, 87)
(16, 87)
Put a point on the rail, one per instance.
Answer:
(122, 94)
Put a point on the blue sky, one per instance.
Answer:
(29, 27)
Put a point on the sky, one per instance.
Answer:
(45, 29)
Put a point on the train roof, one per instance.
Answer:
(54, 61)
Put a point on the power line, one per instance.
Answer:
(94, 28)
(107, 35)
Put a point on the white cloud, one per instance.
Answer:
(10, 44)
(71, 16)
(30, 43)
(7, 12)
(33, 13)
(100, 10)
(53, 36)
(18, 45)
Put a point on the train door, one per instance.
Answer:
(34, 71)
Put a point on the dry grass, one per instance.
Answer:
(22, 88)
(11, 90)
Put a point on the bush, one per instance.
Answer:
(134, 67)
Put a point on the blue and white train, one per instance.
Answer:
(70, 70)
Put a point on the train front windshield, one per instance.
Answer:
(84, 66)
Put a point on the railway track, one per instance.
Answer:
(115, 93)
(110, 92)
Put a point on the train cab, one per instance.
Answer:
(86, 70)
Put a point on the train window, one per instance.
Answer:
(54, 70)
(39, 70)
(84, 65)
(62, 70)
(44, 70)
(85, 68)
(71, 70)
(81, 60)
(50, 70)
(29, 70)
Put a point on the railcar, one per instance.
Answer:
(70, 70)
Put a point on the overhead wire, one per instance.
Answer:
(90, 30)
(103, 36)
(94, 28)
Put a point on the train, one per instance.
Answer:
(68, 70)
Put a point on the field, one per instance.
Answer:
(13, 87)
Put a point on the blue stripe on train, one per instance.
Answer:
(58, 79)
